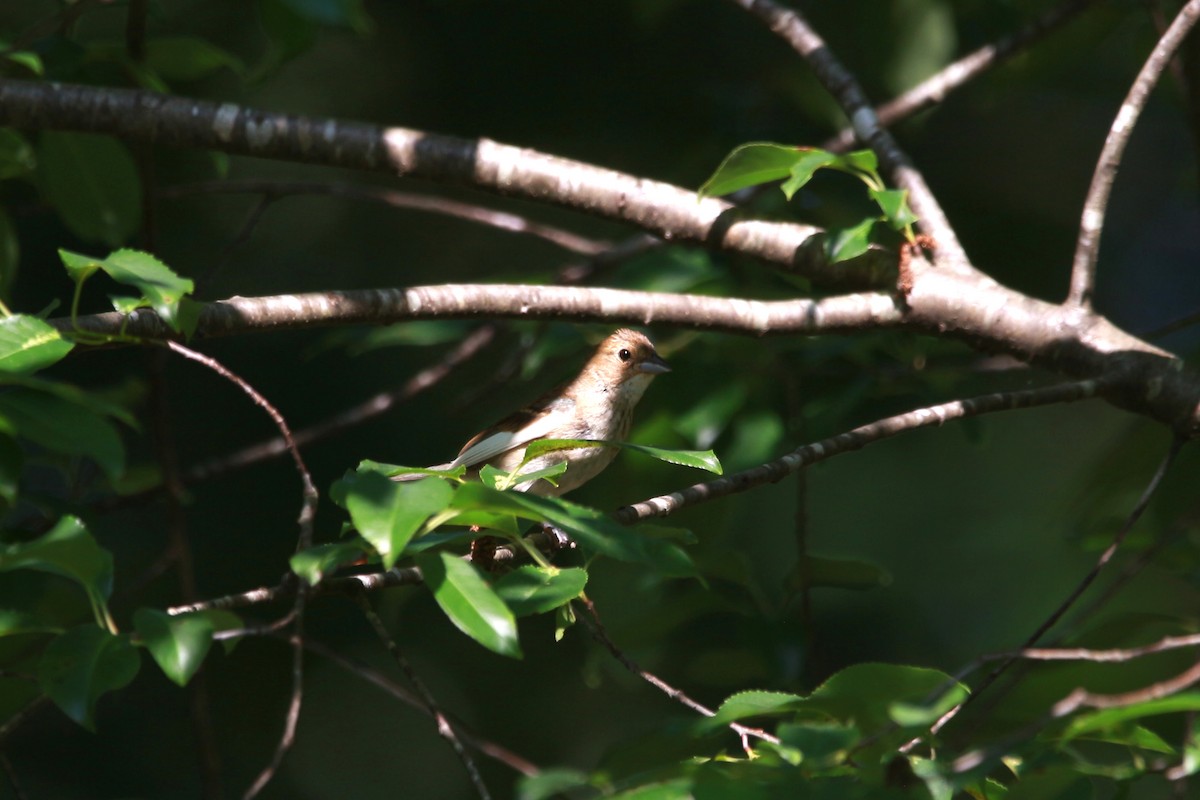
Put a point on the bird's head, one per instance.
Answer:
(625, 361)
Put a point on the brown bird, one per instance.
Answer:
(597, 404)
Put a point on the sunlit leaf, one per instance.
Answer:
(848, 243)
(1109, 718)
(177, 643)
(810, 160)
(28, 344)
(388, 513)
(894, 205)
(469, 602)
(162, 289)
(535, 590)
(750, 165)
(315, 562)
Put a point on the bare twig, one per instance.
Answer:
(841, 84)
(491, 749)
(444, 727)
(1104, 656)
(1082, 698)
(936, 87)
(179, 553)
(1083, 268)
(1105, 557)
(307, 513)
(855, 439)
(596, 628)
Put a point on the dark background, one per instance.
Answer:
(983, 526)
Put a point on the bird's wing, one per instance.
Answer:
(517, 430)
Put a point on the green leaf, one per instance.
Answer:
(81, 665)
(27, 59)
(16, 156)
(697, 459)
(178, 644)
(499, 479)
(92, 182)
(894, 205)
(387, 513)
(1108, 719)
(821, 743)
(752, 704)
(15, 623)
(188, 58)
(848, 243)
(62, 426)
(924, 714)
(536, 590)
(801, 172)
(28, 344)
(469, 602)
(551, 783)
(862, 160)
(70, 551)
(750, 165)
(588, 527)
(162, 289)
(675, 789)
(314, 563)
(812, 571)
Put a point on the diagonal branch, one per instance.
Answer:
(654, 206)
(855, 439)
(936, 87)
(1083, 268)
(793, 28)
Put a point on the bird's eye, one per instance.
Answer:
(624, 354)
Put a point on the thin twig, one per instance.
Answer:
(491, 749)
(855, 439)
(1104, 656)
(841, 84)
(1083, 268)
(1105, 557)
(444, 727)
(598, 632)
(1082, 698)
(308, 511)
(936, 87)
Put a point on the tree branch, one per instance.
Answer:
(1083, 269)
(860, 437)
(661, 208)
(936, 87)
(841, 84)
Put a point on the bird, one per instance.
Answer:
(597, 404)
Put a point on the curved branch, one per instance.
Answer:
(856, 439)
(661, 208)
(1083, 268)
(472, 301)
(1137, 376)
(936, 87)
(841, 84)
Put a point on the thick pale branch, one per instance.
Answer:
(661, 208)
(472, 301)
(990, 317)
(792, 27)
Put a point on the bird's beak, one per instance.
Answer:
(654, 365)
